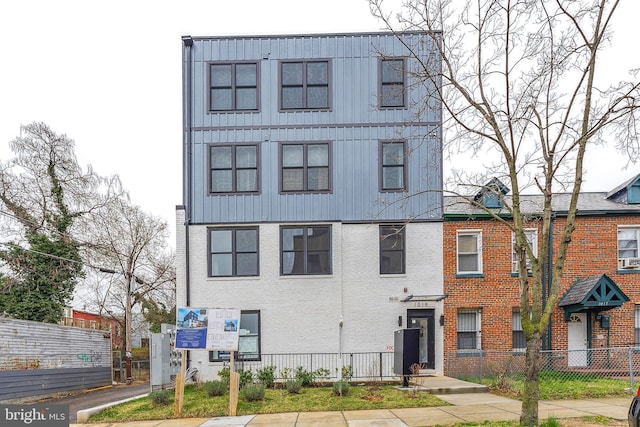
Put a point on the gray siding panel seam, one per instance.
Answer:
(311, 126)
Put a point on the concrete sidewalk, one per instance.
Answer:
(469, 402)
(467, 407)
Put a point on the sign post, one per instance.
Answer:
(234, 385)
(179, 397)
(216, 329)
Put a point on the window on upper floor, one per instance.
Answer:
(628, 256)
(306, 167)
(392, 249)
(532, 238)
(233, 168)
(233, 86)
(469, 329)
(248, 340)
(393, 166)
(469, 251)
(233, 251)
(305, 250)
(392, 83)
(304, 85)
(518, 340)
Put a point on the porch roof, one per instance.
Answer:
(596, 293)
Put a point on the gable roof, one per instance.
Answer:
(627, 192)
(624, 199)
(597, 292)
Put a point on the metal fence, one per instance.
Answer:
(357, 366)
(140, 369)
(488, 366)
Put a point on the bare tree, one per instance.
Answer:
(131, 245)
(44, 194)
(519, 80)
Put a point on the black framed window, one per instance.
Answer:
(392, 83)
(305, 167)
(304, 85)
(392, 249)
(233, 168)
(233, 252)
(233, 86)
(248, 341)
(305, 250)
(393, 168)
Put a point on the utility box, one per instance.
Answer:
(165, 360)
(406, 352)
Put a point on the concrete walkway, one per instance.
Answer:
(469, 404)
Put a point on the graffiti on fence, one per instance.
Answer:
(93, 357)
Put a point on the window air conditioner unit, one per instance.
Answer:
(628, 263)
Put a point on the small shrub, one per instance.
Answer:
(286, 374)
(224, 374)
(267, 376)
(253, 392)
(246, 377)
(304, 376)
(160, 397)
(347, 372)
(293, 386)
(321, 374)
(341, 388)
(215, 388)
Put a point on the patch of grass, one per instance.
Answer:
(198, 404)
(558, 385)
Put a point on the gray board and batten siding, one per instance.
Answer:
(43, 359)
(354, 125)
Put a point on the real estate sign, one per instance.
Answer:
(207, 328)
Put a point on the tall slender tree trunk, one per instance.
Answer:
(529, 414)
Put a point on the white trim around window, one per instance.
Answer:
(532, 238)
(469, 251)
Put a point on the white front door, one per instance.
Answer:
(577, 328)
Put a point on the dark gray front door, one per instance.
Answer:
(424, 319)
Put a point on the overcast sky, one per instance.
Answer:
(108, 74)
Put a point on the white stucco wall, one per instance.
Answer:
(301, 314)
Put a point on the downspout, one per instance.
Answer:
(186, 165)
(186, 137)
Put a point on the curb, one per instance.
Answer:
(84, 414)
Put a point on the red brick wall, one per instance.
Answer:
(593, 251)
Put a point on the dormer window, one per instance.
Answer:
(633, 195)
(491, 195)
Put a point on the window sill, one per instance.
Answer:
(233, 111)
(628, 271)
(469, 353)
(307, 276)
(468, 275)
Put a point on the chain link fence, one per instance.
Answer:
(611, 368)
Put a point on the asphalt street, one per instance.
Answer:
(90, 398)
